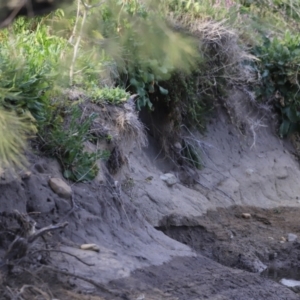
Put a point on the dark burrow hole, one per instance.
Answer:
(197, 237)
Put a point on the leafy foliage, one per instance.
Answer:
(30, 70)
(113, 96)
(29, 65)
(11, 145)
(67, 144)
(147, 51)
(278, 68)
(147, 47)
(185, 93)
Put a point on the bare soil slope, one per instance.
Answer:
(185, 241)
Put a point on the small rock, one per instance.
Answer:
(292, 237)
(246, 216)
(169, 178)
(148, 179)
(178, 146)
(249, 172)
(25, 175)
(290, 282)
(282, 240)
(60, 188)
(92, 247)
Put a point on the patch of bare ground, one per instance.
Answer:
(248, 238)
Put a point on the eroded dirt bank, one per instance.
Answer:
(187, 240)
(135, 260)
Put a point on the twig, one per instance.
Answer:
(74, 207)
(64, 252)
(76, 47)
(42, 231)
(10, 291)
(19, 247)
(76, 23)
(116, 191)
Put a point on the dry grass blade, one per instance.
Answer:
(217, 39)
(14, 132)
(130, 128)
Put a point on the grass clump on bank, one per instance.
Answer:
(180, 57)
(33, 78)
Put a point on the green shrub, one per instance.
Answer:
(146, 50)
(28, 70)
(67, 144)
(279, 77)
(32, 79)
(113, 96)
(29, 67)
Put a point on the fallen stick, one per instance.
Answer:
(42, 231)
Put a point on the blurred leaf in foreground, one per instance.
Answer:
(14, 131)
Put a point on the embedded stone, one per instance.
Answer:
(60, 188)
(92, 247)
(25, 175)
(292, 237)
(246, 216)
(169, 178)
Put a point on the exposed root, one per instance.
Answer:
(19, 247)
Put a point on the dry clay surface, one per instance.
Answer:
(265, 175)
